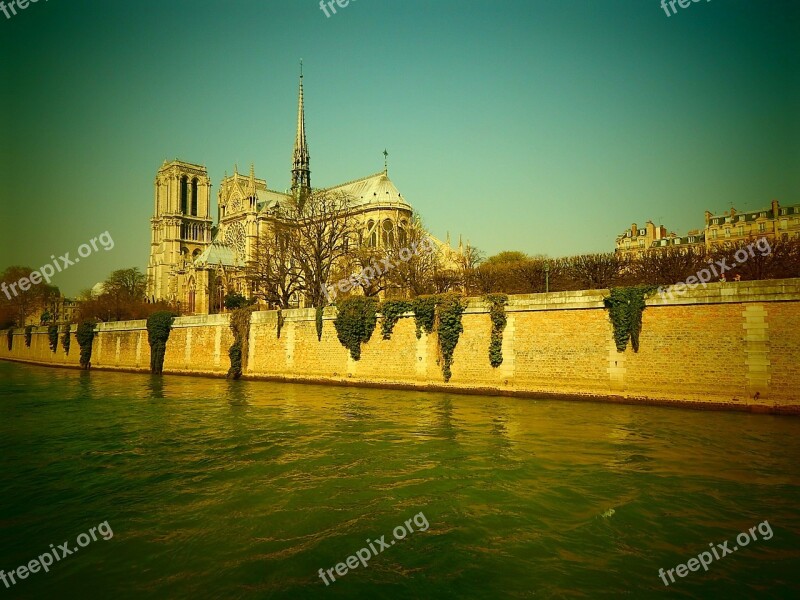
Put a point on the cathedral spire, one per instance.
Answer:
(301, 161)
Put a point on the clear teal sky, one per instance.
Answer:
(541, 126)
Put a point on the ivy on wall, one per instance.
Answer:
(280, 322)
(28, 335)
(625, 306)
(497, 313)
(65, 339)
(355, 321)
(52, 334)
(450, 307)
(319, 323)
(10, 337)
(424, 308)
(240, 326)
(392, 310)
(85, 337)
(159, 325)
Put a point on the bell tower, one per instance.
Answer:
(180, 228)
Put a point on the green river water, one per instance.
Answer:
(220, 489)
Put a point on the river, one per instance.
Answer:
(238, 489)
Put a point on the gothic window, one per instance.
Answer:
(184, 192)
(388, 234)
(402, 236)
(194, 197)
(235, 236)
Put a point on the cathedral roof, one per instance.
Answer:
(373, 189)
(268, 199)
(218, 253)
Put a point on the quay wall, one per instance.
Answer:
(727, 346)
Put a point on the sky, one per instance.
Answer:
(544, 126)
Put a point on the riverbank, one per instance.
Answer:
(730, 346)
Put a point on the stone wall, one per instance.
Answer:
(728, 346)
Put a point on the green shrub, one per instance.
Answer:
(497, 314)
(237, 353)
(424, 308)
(28, 335)
(66, 338)
(52, 334)
(319, 323)
(159, 325)
(85, 337)
(449, 310)
(625, 306)
(235, 300)
(355, 321)
(392, 310)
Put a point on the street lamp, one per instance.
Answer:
(547, 277)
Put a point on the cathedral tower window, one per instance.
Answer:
(194, 197)
(184, 186)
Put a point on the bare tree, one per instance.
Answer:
(415, 259)
(122, 289)
(366, 268)
(667, 266)
(322, 230)
(594, 271)
(275, 274)
(533, 274)
(760, 259)
(19, 303)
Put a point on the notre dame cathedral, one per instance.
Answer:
(196, 264)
